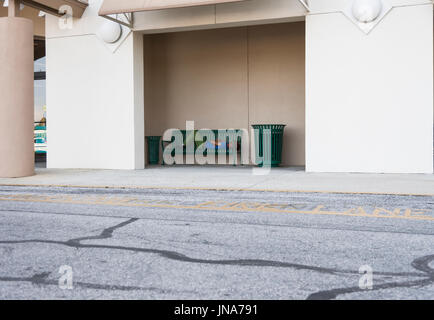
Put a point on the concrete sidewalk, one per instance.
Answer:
(230, 178)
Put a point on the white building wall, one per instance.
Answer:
(95, 91)
(95, 107)
(370, 97)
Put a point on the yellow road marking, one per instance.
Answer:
(396, 213)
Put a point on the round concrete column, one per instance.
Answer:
(16, 98)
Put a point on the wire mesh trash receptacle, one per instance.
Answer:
(154, 149)
(268, 133)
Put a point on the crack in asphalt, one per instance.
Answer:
(105, 234)
(42, 279)
(421, 264)
(334, 293)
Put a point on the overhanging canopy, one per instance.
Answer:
(53, 6)
(111, 9)
(129, 6)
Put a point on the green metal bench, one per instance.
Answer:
(197, 144)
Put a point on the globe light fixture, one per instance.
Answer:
(110, 32)
(366, 11)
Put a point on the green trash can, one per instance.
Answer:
(276, 139)
(154, 149)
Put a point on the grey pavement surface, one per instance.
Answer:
(204, 244)
(230, 177)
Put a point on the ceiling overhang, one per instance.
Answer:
(123, 11)
(54, 7)
(110, 7)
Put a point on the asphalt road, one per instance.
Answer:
(58, 243)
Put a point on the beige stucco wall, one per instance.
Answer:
(228, 78)
(16, 98)
(29, 13)
(277, 83)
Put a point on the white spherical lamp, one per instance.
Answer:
(110, 32)
(366, 11)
